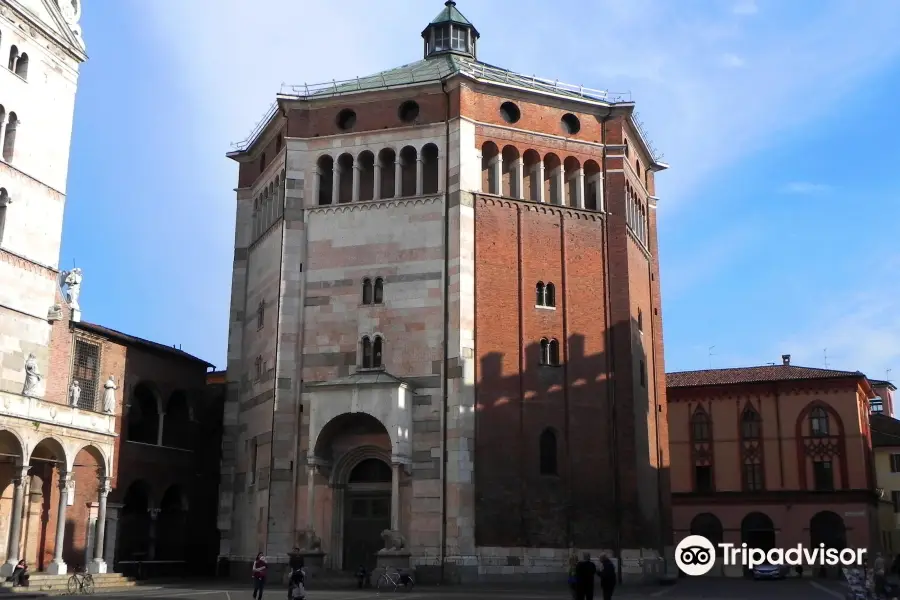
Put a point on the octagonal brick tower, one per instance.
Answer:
(446, 323)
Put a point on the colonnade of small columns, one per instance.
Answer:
(57, 565)
(411, 172)
(636, 214)
(268, 206)
(529, 176)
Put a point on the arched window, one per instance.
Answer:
(262, 162)
(367, 291)
(539, 290)
(22, 66)
(818, 422)
(13, 56)
(550, 352)
(550, 295)
(9, 140)
(377, 348)
(378, 295)
(700, 427)
(751, 424)
(366, 353)
(548, 452)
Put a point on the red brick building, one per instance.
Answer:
(773, 456)
(156, 483)
(446, 323)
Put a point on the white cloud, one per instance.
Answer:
(805, 188)
(747, 7)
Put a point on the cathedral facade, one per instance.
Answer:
(445, 330)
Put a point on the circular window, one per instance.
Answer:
(346, 119)
(409, 111)
(570, 124)
(510, 112)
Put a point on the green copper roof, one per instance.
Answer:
(450, 14)
(436, 68)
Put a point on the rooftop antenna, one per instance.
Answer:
(710, 355)
(825, 355)
(887, 375)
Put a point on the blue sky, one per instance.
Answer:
(777, 218)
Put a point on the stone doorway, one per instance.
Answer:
(367, 512)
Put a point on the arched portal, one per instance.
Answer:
(135, 523)
(172, 525)
(358, 448)
(827, 528)
(48, 463)
(709, 526)
(758, 531)
(177, 421)
(11, 457)
(367, 512)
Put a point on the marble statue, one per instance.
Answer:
(109, 396)
(74, 393)
(73, 287)
(32, 377)
(393, 540)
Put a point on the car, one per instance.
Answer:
(770, 571)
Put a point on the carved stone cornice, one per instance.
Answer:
(567, 212)
(376, 204)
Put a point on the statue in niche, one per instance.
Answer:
(72, 281)
(33, 378)
(109, 395)
(74, 393)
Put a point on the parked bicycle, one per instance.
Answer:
(394, 579)
(81, 582)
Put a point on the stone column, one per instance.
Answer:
(316, 186)
(442, 174)
(598, 191)
(579, 188)
(560, 182)
(336, 184)
(2, 135)
(355, 196)
(311, 497)
(395, 497)
(13, 552)
(498, 175)
(98, 565)
(398, 178)
(540, 186)
(162, 415)
(519, 171)
(58, 566)
(420, 176)
(154, 515)
(376, 177)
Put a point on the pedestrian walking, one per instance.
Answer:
(608, 577)
(260, 568)
(585, 571)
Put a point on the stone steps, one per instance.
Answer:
(47, 584)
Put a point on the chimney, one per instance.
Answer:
(786, 360)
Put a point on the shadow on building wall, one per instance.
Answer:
(564, 459)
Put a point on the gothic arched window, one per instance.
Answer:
(818, 422)
(367, 291)
(700, 427)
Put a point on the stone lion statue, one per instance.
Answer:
(311, 541)
(393, 540)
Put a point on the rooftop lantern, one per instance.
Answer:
(450, 33)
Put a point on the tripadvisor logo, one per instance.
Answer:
(695, 555)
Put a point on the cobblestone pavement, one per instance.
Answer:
(685, 589)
